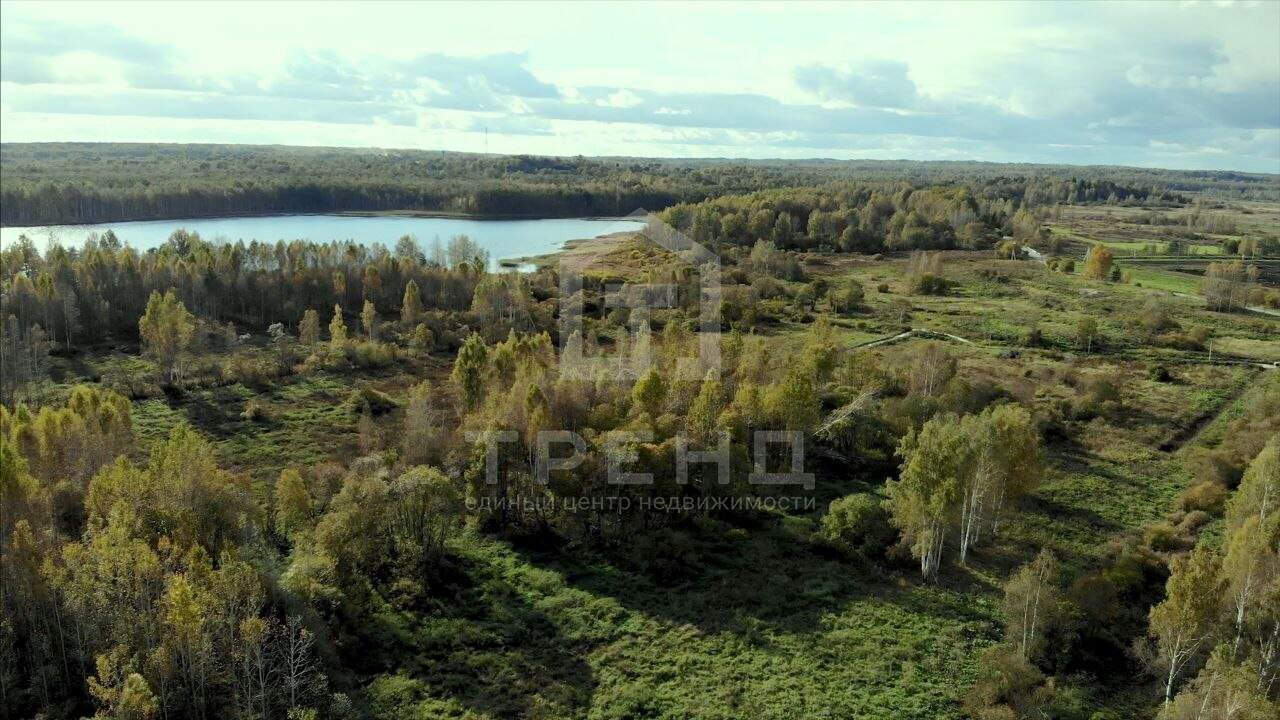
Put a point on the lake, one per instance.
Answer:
(504, 239)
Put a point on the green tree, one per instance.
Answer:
(425, 436)
(369, 319)
(422, 338)
(1087, 333)
(1249, 566)
(21, 497)
(121, 694)
(782, 229)
(923, 502)
(337, 328)
(705, 409)
(309, 328)
(1097, 262)
(1031, 604)
(424, 508)
(1005, 447)
(469, 369)
(1224, 689)
(411, 305)
(1259, 491)
(848, 297)
(293, 502)
(792, 404)
(353, 532)
(858, 523)
(650, 393)
(166, 329)
(185, 625)
(1183, 622)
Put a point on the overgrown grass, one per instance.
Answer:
(764, 629)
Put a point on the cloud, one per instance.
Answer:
(623, 98)
(877, 84)
(1053, 88)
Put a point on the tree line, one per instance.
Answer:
(67, 183)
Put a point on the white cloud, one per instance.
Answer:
(1037, 82)
(623, 98)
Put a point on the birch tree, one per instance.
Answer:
(1183, 623)
(924, 500)
(166, 329)
(1007, 464)
(1031, 603)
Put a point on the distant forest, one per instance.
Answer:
(68, 183)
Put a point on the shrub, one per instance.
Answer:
(924, 274)
(1008, 686)
(1205, 496)
(930, 284)
(1155, 318)
(422, 338)
(372, 354)
(1032, 337)
(1193, 339)
(249, 370)
(376, 402)
(255, 411)
(1193, 521)
(858, 524)
(1099, 396)
(848, 297)
(1161, 537)
(1009, 250)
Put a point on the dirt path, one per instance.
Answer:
(913, 332)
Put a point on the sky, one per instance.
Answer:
(1189, 85)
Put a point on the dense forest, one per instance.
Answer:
(87, 183)
(315, 480)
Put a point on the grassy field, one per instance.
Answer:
(1162, 279)
(766, 624)
(763, 622)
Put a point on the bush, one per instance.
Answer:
(1154, 318)
(1007, 687)
(858, 524)
(1009, 250)
(249, 370)
(369, 354)
(1162, 537)
(930, 284)
(1193, 339)
(1099, 396)
(254, 411)
(1193, 521)
(1205, 496)
(422, 338)
(1032, 337)
(848, 297)
(364, 397)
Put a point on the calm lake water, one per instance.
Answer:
(503, 239)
